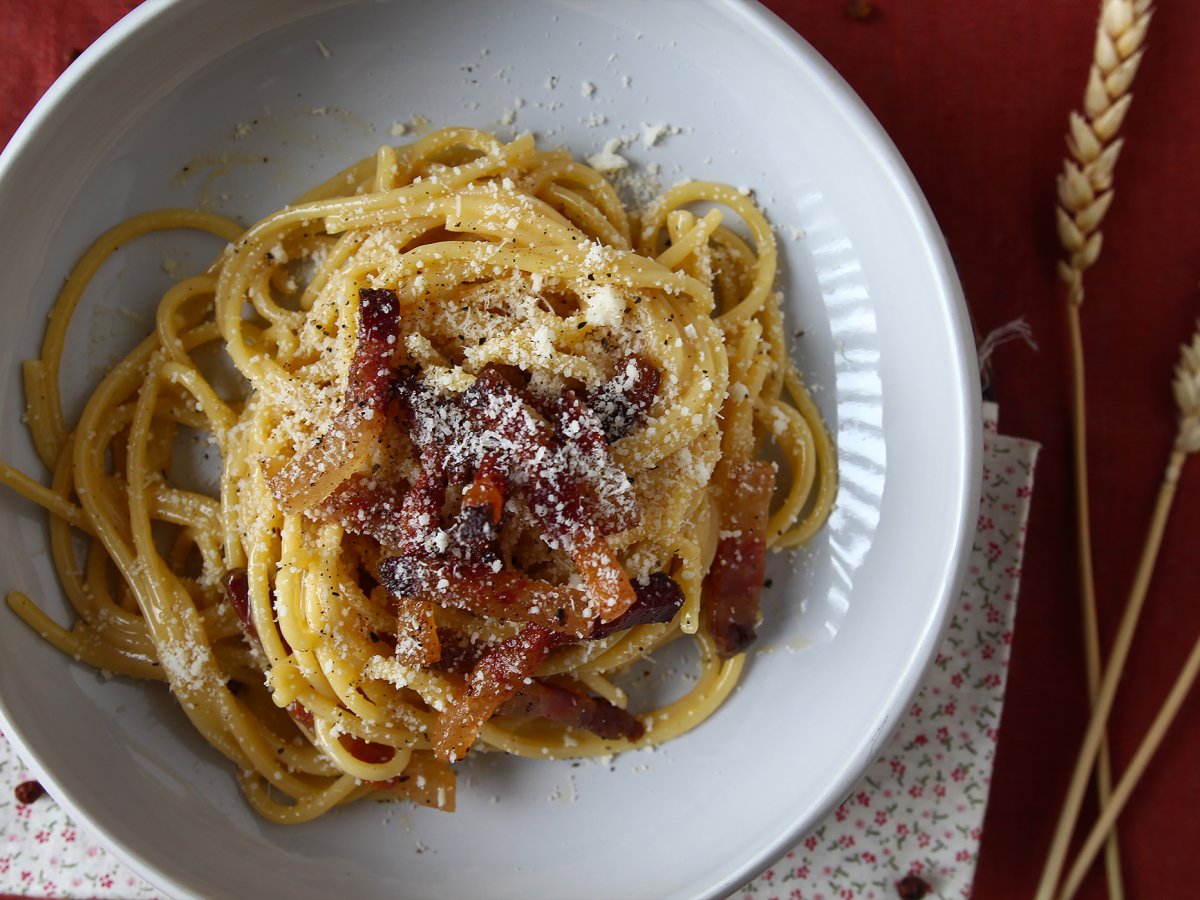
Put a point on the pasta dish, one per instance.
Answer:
(493, 438)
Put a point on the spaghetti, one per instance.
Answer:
(498, 440)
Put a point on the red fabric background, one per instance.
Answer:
(975, 95)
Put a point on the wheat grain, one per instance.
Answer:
(1085, 189)
(1187, 395)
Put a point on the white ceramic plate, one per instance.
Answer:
(260, 100)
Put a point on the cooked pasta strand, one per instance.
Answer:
(392, 313)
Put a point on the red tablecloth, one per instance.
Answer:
(975, 95)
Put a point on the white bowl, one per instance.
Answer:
(290, 91)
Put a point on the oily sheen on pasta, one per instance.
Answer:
(497, 438)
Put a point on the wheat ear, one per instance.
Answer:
(1187, 441)
(1085, 185)
(1085, 194)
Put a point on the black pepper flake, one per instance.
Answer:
(374, 637)
(769, 583)
(28, 791)
(591, 277)
(913, 887)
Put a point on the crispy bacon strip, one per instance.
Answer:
(489, 426)
(477, 528)
(554, 496)
(607, 494)
(483, 499)
(312, 475)
(493, 680)
(421, 511)
(459, 653)
(657, 601)
(497, 673)
(516, 597)
(426, 781)
(399, 520)
(363, 505)
(573, 708)
(621, 403)
(237, 589)
(734, 584)
(503, 594)
(417, 644)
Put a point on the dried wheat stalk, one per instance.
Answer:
(1085, 185)
(1187, 441)
(1184, 683)
(1085, 194)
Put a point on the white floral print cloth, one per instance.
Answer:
(918, 810)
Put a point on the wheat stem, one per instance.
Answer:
(1108, 684)
(1137, 766)
(1087, 585)
(1084, 197)
(1186, 388)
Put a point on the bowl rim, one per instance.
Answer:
(18, 145)
(761, 22)
(872, 134)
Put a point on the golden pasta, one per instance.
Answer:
(497, 438)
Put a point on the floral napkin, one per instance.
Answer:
(912, 825)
